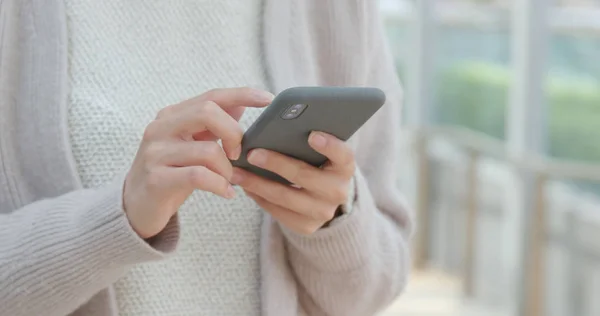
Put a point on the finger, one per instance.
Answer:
(235, 97)
(286, 196)
(323, 183)
(340, 155)
(184, 154)
(229, 99)
(202, 178)
(206, 117)
(296, 222)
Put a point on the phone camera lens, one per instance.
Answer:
(294, 111)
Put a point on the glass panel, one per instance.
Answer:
(573, 88)
(472, 65)
(573, 95)
(397, 15)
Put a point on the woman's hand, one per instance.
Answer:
(318, 193)
(179, 154)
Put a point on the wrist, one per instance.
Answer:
(345, 208)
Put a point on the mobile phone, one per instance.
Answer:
(284, 126)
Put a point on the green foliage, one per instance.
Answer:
(475, 95)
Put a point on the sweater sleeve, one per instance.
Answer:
(56, 254)
(360, 264)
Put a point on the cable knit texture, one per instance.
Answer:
(171, 52)
(64, 239)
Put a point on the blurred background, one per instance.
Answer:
(501, 154)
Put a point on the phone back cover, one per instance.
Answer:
(339, 111)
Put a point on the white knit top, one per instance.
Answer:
(128, 59)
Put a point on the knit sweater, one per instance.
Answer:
(118, 84)
(62, 246)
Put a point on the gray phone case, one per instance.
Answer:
(339, 111)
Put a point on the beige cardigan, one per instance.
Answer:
(61, 246)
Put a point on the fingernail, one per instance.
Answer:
(265, 95)
(230, 192)
(235, 153)
(318, 140)
(237, 177)
(257, 157)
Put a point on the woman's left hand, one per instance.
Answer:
(320, 191)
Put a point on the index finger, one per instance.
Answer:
(232, 97)
(227, 99)
(212, 118)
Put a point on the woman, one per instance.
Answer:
(102, 162)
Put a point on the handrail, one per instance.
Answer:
(497, 148)
(477, 145)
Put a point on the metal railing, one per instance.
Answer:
(564, 20)
(479, 145)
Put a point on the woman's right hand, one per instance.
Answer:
(179, 154)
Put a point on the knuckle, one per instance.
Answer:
(237, 137)
(235, 133)
(197, 176)
(212, 150)
(209, 108)
(298, 173)
(212, 93)
(325, 214)
(238, 132)
(164, 112)
(339, 194)
(348, 159)
(224, 185)
(151, 131)
(207, 112)
(153, 151)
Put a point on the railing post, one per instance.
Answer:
(471, 223)
(576, 299)
(526, 130)
(536, 269)
(417, 114)
(422, 204)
